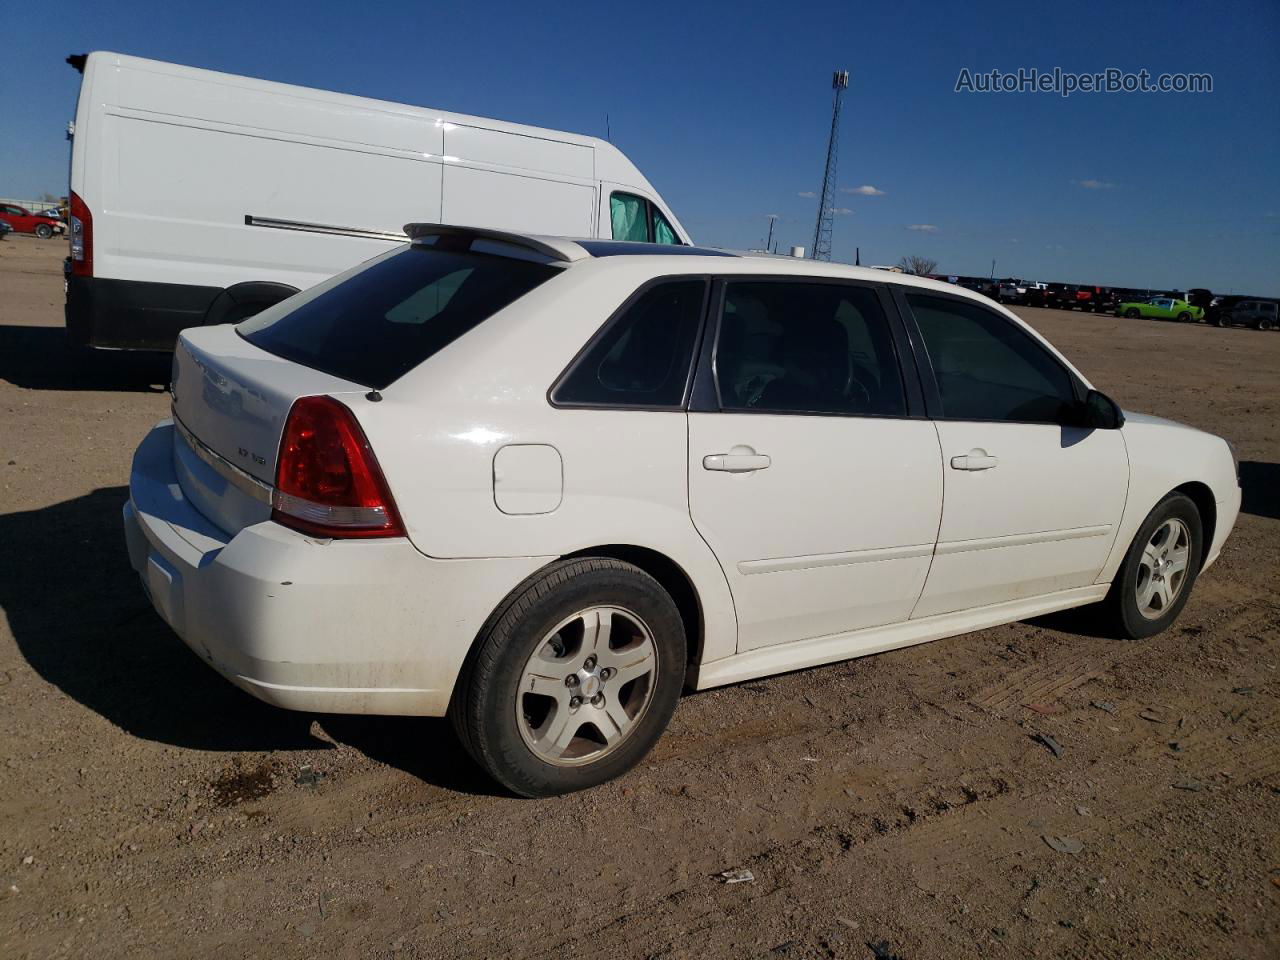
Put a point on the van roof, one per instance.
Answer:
(611, 163)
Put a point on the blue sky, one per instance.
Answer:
(725, 107)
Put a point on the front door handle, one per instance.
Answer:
(737, 460)
(975, 459)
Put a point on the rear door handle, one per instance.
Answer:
(737, 460)
(975, 459)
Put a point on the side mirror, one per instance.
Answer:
(1101, 412)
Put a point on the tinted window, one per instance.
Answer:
(643, 358)
(636, 219)
(807, 348)
(663, 232)
(987, 367)
(387, 319)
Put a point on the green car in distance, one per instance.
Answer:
(1162, 308)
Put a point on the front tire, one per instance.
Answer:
(573, 679)
(1159, 570)
(1132, 313)
(44, 231)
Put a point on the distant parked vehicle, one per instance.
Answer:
(23, 220)
(5, 230)
(1161, 308)
(1259, 314)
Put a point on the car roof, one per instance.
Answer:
(669, 259)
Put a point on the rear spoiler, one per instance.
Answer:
(77, 60)
(553, 248)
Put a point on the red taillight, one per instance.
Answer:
(328, 482)
(81, 229)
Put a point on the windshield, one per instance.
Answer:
(385, 320)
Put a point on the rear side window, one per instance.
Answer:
(384, 321)
(987, 368)
(643, 358)
(819, 348)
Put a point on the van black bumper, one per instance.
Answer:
(133, 314)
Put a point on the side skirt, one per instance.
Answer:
(784, 657)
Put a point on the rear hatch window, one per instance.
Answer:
(385, 320)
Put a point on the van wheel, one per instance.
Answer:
(44, 231)
(1159, 570)
(573, 679)
(1264, 323)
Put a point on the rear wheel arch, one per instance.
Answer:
(242, 300)
(670, 576)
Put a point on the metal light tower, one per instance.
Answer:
(821, 249)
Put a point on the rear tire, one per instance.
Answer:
(1136, 607)
(554, 641)
(1264, 323)
(1183, 317)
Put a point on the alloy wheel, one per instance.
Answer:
(1162, 570)
(586, 686)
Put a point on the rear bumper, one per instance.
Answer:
(349, 626)
(132, 314)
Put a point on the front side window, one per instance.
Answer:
(663, 232)
(987, 368)
(636, 219)
(643, 358)
(629, 216)
(804, 347)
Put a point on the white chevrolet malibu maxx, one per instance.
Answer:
(540, 485)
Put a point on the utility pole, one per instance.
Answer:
(826, 202)
(773, 218)
(993, 268)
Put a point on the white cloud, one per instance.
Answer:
(807, 194)
(1094, 184)
(866, 190)
(922, 227)
(841, 211)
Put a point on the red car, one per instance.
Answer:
(24, 221)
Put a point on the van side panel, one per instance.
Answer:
(179, 187)
(505, 201)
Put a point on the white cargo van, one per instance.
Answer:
(201, 197)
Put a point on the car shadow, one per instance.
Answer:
(80, 619)
(40, 358)
(1260, 489)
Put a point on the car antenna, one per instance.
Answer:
(373, 396)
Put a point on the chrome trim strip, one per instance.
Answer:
(252, 221)
(242, 481)
(748, 567)
(1023, 539)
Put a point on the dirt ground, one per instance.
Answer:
(894, 806)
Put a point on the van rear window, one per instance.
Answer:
(385, 320)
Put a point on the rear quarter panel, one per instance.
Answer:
(438, 429)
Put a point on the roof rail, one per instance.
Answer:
(555, 248)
